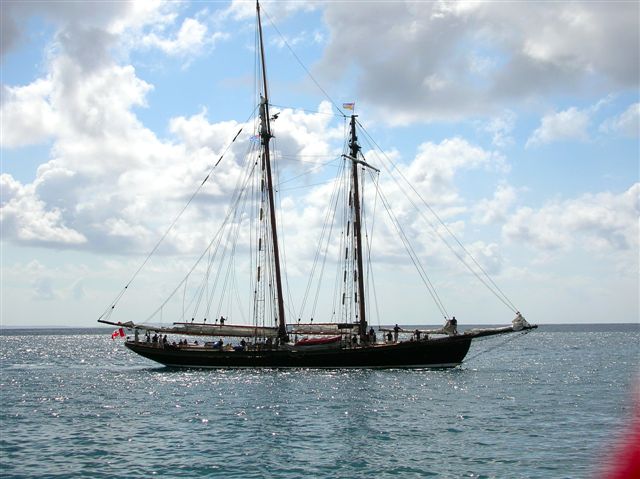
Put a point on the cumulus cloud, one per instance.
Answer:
(26, 218)
(98, 17)
(436, 164)
(91, 33)
(495, 210)
(601, 223)
(626, 124)
(196, 131)
(488, 256)
(500, 128)
(570, 124)
(85, 106)
(439, 60)
(189, 40)
(27, 115)
(110, 183)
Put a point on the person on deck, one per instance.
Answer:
(222, 320)
(396, 330)
(451, 326)
(372, 336)
(417, 333)
(389, 337)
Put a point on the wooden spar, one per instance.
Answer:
(265, 134)
(354, 148)
(203, 329)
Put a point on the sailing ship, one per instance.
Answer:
(269, 341)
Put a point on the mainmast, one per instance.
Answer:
(265, 135)
(354, 149)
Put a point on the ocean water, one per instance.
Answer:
(548, 404)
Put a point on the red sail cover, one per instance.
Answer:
(317, 341)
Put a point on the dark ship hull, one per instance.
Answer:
(435, 353)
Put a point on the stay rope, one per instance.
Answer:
(488, 282)
(306, 70)
(117, 299)
(498, 345)
(413, 255)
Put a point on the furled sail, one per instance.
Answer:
(322, 328)
(201, 329)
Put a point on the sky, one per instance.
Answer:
(518, 123)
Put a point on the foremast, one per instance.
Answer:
(265, 136)
(354, 149)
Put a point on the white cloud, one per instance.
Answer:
(627, 123)
(570, 124)
(97, 142)
(27, 115)
(111, 183)
(433, 170)
(495, 210)
(189, 40)
(601, 223)
(500, 128)
(196, 131)
(484, 55)
(26, 218)
(488, 256)
(100, 18)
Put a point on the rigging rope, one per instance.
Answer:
(413, 255)
(493, 287)
(329, 217)
(282, 241)
(315, 112)
(113, 304)
(498, 345)
(369, 240)
(284, 40)
(306, 172)
(218, 236)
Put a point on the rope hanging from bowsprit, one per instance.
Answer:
(498, 345)
(107, 313)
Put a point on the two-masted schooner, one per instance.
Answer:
(268, 340)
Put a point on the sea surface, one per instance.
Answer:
(548, 404)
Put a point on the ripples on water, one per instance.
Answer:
(545, 405)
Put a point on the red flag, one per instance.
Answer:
(118, 333)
